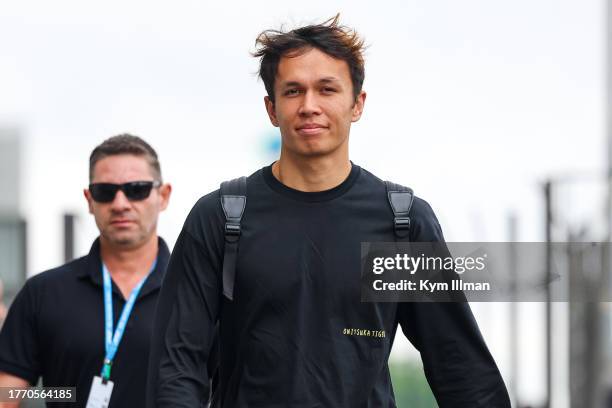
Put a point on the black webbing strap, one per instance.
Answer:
(400, 198)
(233, 202)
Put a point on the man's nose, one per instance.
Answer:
(310, 104)
(120, 202)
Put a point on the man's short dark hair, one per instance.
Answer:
(125, 144)
(329, 37)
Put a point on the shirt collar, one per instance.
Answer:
(93, 268)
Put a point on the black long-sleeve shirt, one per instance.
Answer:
(296, 333)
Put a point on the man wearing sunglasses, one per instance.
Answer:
(87, 324)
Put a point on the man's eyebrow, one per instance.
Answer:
(325, 80)
(290, 84)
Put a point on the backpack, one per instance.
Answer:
(233, 196)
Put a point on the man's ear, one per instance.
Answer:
(164, 191)
(87, 195)
(358, 106)
(271, 110)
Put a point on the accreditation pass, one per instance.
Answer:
(100, 393)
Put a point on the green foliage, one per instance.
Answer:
(410, 386)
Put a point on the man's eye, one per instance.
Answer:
(292, 92)
(328, 89)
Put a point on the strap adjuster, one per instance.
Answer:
(402, 223)
(232, 232)
(232, 229)
(402, 226)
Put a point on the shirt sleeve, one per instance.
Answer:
(19, 350)
(458, 365)
(187, 311)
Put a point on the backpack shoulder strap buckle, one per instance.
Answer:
(400, 199)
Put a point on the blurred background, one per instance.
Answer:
(496, 113)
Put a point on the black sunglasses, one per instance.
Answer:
(134, 190)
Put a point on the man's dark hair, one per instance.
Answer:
(125, 144)
(329, 37)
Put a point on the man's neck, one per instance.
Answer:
(314, 174)
(127, 266)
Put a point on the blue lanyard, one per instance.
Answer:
(112, 340)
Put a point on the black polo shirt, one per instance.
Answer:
(55, 330)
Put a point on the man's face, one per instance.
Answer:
(314, 104)
(124, 223)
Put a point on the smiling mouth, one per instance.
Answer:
(311, 129)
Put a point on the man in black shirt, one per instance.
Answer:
(293, 331)
(57, 326)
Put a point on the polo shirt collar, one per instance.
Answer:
(93, 268)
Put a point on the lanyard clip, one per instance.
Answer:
(106, 370)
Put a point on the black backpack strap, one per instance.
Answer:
(233, 202)
(400, 198)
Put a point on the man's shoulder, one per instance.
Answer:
(209, 205)
(59, 274)
(55, 280)
(379, 184)
(419, 205)
(424, 223)
(205, 211)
